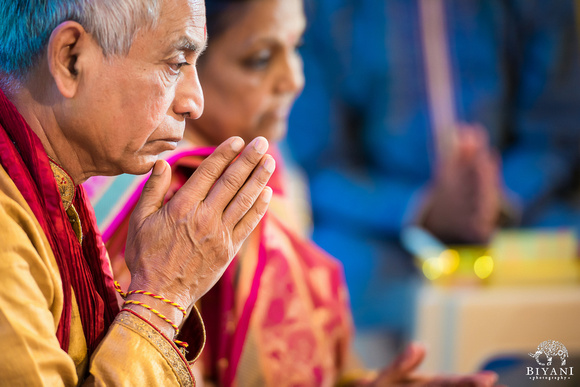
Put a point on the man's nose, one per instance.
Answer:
(189, 96)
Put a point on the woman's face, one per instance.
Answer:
(252, 73)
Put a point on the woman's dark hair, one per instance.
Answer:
(219, 14)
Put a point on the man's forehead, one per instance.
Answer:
(192, 7)
(182, 25)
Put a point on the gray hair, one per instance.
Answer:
(26, 26)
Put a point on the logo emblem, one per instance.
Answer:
(548, 350)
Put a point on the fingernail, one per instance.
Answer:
(270, 164)
(158, 168)
(267, 194)
(261, 145)
(237, 144)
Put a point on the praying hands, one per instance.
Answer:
(182, 248)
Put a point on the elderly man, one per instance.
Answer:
(102, 87)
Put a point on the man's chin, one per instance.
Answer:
(141, 167)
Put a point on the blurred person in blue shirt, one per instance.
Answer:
(362, 131)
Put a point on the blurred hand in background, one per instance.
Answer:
(465, 201)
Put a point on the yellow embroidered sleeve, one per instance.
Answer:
(148, 355)
(31, 301)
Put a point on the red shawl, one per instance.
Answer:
(84, 268)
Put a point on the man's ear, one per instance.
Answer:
(67, 43)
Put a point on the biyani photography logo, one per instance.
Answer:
(551, 357)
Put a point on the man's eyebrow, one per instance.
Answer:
(186, 44)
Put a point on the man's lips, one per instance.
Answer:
(172, 138)
(169, 143)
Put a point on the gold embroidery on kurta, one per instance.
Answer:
(156, 339)
(66, 186)
(195, 314)
(75, 222)
(66, 189)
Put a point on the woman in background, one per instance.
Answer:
(280, 314)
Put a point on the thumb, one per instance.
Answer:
(154, 191)
(401, 370)
(410, 360)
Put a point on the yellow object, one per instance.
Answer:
(520, 257)
(31, 302)
(535, 257)
(483, 266)
(357, 377)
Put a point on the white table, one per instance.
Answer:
(464, 327)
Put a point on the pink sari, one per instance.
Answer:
(279, 316)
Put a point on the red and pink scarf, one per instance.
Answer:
(84, 268)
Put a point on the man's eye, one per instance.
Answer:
(176, 67)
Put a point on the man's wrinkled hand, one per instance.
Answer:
(181, 249)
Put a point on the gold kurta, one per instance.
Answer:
(133, 352)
